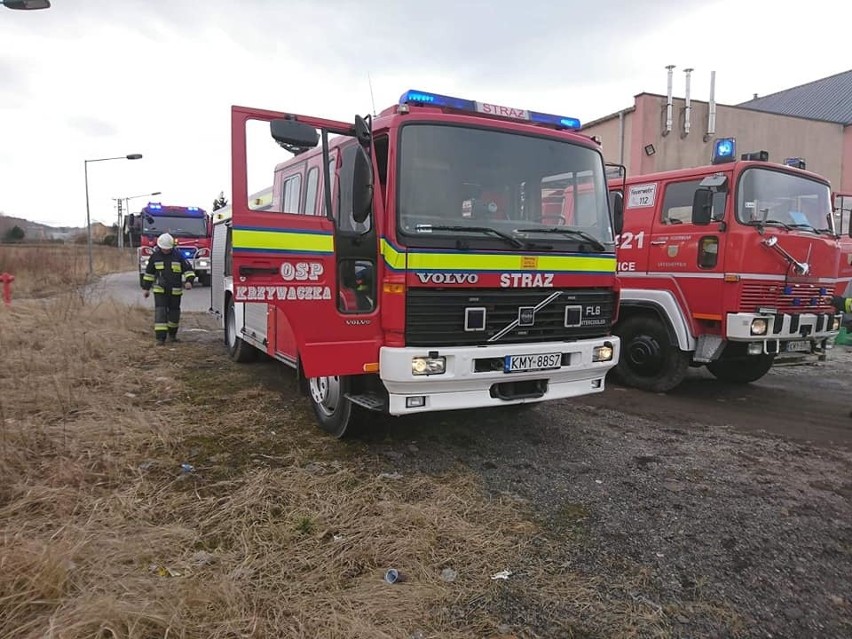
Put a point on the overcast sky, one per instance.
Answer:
(100, 78)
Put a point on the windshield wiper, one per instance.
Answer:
(772, 222)
(811, 227)
(595, 242)
(426, 228)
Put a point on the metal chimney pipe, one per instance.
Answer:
(688, 109)
(711, 114)
(668, 128)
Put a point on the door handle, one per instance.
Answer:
(257, 270)
(657, 242)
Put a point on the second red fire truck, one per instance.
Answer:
(729, 266)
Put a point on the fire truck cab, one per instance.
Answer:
(189, 225)
(730, 266)
(406, 263)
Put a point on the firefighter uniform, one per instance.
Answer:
(166, 275)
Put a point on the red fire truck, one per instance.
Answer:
(190, 226)
(730, 266)
(406, 264)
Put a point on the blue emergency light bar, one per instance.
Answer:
(724, 150)
(154, 206)
(796, 163)
(425, 98)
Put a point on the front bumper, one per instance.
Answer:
(782, 328)
(464, 386)
(200, 265)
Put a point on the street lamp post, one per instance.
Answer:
(131, 156)
(26, 5)
(127, 212)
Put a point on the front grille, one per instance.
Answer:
(785, 297)
(436, 316)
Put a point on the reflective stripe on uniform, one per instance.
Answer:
(161, 327)
(158, 289)
(176, 267)
(189, 275)
(149, 278)
(177, 291)
(848, 305)
(159, 265)
(173, 324)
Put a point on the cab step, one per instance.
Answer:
(370, 401)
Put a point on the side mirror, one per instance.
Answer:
(294, 136)
(362, 186)
(363, 130)
(616, 203)
(702, 207)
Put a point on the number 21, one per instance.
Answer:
(625, 240)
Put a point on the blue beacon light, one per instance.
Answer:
(427, 98)
(724, 150)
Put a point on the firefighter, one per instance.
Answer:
(842, 304)
(167, 273)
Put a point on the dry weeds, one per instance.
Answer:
(278, 531)
(45, 269)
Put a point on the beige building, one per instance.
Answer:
(661, 132)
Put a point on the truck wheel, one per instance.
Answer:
(204, 279)
(238, 349)
(328, 399)
(648, 359)
(741, 370)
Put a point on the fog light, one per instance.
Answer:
(202, 264)
(759, 326)
(755, 348)
(418, 401)
(835, 325)
(596, 383)
(428, 365)
(602, 353)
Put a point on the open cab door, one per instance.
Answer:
(310, 256)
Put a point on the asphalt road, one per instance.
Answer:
(124, 288)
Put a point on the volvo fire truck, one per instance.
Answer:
(729, 266)
(189, 225)
(407, 265)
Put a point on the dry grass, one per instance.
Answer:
(279, 531)
(45, 269)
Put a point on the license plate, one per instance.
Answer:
(540, 362)
(798, 347)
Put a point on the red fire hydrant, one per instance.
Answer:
(7, 279)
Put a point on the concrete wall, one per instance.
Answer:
(825, 146)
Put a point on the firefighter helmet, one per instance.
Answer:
(166, 242)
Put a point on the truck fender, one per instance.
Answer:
(664, 304)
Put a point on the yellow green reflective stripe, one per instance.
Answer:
(173, 324)
(149, 278)
(159, 266)
(176, 267)
(259, 240)
(158, 289)
(177, 291)
(189, 275)
(161, 327)
(847, 305)
(496, 262)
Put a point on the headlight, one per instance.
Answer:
(602, 353)
(428, 365)
(835, 325)
(143, 262)
(758, 327)
(202, 264)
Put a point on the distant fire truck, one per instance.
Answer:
(730, 265)
(407, 265)
(190, 226)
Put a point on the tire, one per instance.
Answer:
(742, 370)
(204, 279)
(328, 399)
(238, 349)
(649, 361)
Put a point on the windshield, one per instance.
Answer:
(784, 199)
(178, 226)
(498, 184)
